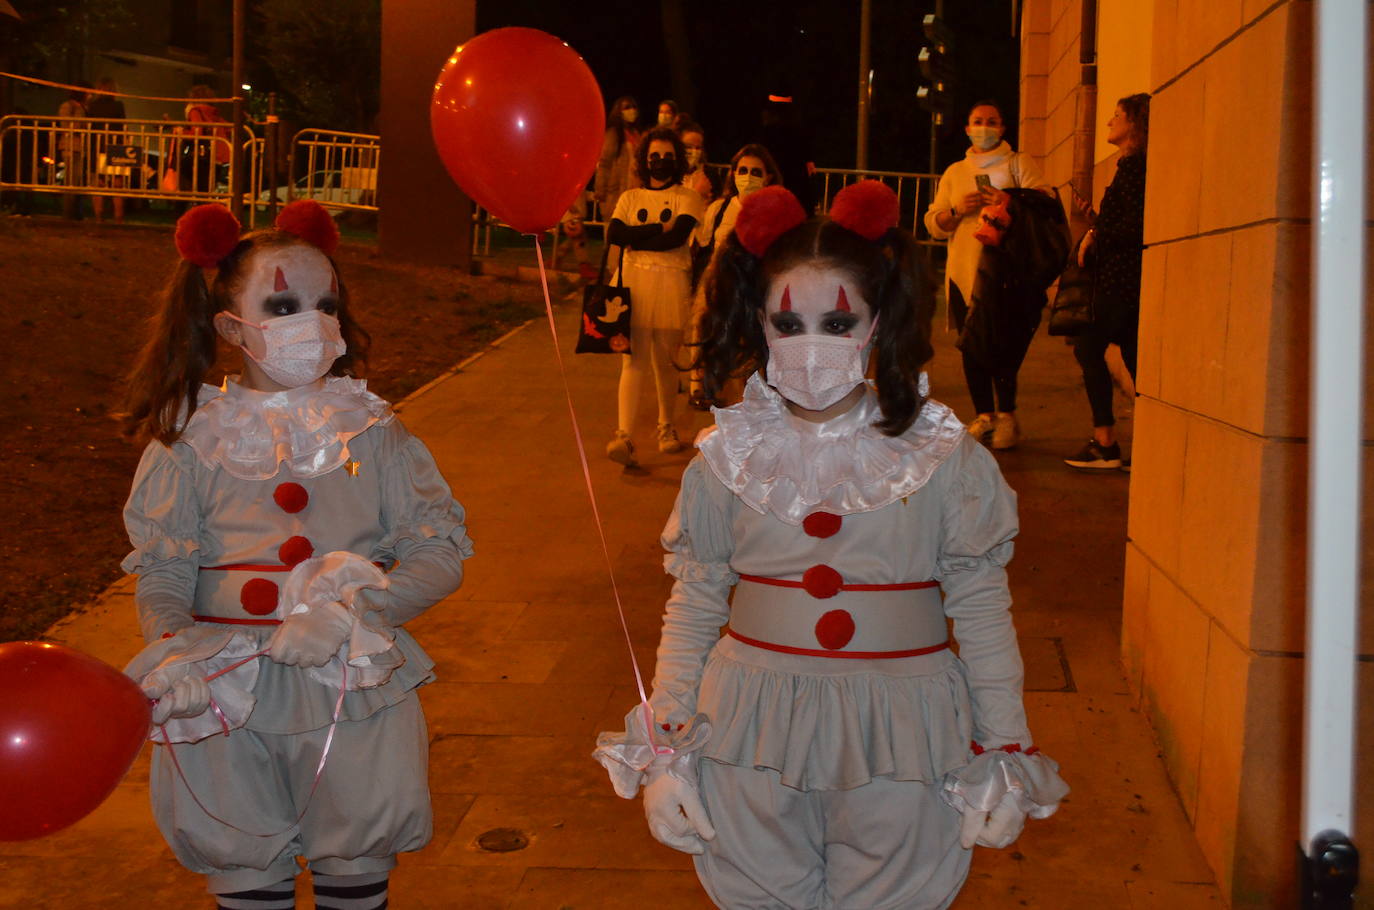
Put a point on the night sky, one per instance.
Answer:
(742, 51)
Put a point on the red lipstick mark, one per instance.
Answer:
(786, 299)
(843, 303)
(279, 283)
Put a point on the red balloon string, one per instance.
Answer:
(596, 512)
(319, 769)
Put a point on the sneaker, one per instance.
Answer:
(668, 443)
(620, 449)
(981, 427)
(1095, 457)
(1006, 432)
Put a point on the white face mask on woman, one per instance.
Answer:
(984, 138)
(815, 371)
(293, 350)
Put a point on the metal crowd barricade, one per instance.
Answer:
(338, 170)
(914, 194)
(149, 159)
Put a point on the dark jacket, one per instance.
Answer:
(1009, 292)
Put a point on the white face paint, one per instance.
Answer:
(285, 317)
(818, 326)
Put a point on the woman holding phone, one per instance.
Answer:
(989, 166)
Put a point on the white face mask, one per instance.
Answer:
(984, 138)
(747, 183)
(293, 350)
(694, 156)
(815, 371)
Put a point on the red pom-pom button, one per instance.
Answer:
(835, 629)
(291, 497)
(821, 524)
(259, 596)
(295, 550)
(822, 581)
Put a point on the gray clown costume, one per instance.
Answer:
(230, 526)
(834, 734)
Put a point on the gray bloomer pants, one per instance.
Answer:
(888, 845)
(372, 801)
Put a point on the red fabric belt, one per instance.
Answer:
(254, 567)
(234, 621)
(852, 655)
(787, 583)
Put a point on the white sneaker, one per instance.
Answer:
(981, 427)
(1006, 433)
(620, 449)
(668, 443)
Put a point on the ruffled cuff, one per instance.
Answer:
(626, 756)
(1031, 776)
(203, 651)
(685, 568)
(369, 651)
(424, 527)
(159, 549)
(997, 557)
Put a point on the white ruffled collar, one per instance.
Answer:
(780, 464)
(251, 434)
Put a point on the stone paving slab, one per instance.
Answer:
(532, 664)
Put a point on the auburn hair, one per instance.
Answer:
(888, 272)
(182, 343)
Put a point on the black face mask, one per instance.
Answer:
(663, 168)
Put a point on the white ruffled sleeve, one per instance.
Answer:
(979, 523)
(425, 533)
(700, 542)
(162, 517)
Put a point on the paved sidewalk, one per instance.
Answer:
(532, 664)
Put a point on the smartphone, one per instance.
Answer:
(983, 181)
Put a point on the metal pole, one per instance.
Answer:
(271, 149)
(1333, 520)
(865, 84)
(236, 150)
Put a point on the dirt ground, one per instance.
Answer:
(74, 297)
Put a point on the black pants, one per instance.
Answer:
(992, 390)
(1119, 325)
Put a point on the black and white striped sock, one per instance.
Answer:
(351, 892)
(281, 896)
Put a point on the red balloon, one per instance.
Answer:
(70, 727)
(518, 120)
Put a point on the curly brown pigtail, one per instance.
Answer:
(907, 307)
(179, 351)
(732, 343)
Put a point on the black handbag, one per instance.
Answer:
(1072, 310)
(605, 327)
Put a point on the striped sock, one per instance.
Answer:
(281, 896)
(351, 892)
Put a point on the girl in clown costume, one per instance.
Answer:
(830, 750)
(262, 516)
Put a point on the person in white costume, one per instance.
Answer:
(830, 750)
(262, 517)
(989, 166)
(653, 225)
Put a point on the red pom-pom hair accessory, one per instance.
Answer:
(765, 216)
(206, 234)
(308, 220)
(869, 208)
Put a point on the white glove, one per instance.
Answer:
(674, 810)
(189, 696)
(311, 638)
(996, 829)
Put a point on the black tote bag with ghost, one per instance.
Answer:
(605, 327)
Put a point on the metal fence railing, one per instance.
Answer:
(914, 194)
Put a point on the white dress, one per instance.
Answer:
(243, 508)
(866, 757)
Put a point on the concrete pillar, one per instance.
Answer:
(424, 217)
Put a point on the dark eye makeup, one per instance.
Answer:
(751, 171)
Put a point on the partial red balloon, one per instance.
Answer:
(518, 120)
(70, 727)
